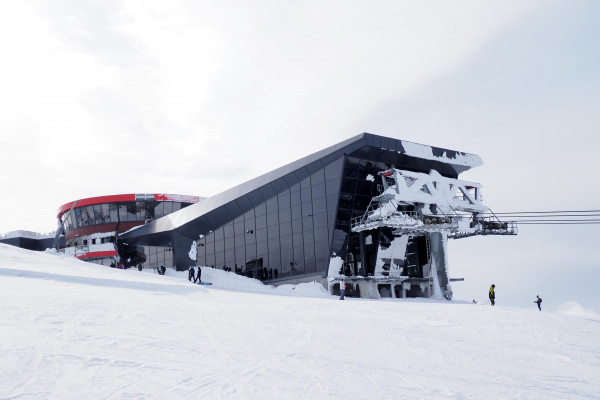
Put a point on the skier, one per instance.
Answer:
(492, 294)
(538, 301)
(191, 274)
(342, 288)
(199, 275)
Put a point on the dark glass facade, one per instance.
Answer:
(295, 233)
(157, 256)
(285, 236)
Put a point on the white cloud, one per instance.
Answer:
(122, 96)
(575, 309)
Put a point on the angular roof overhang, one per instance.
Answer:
(200, 218)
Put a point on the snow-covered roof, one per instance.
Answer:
(443, 155)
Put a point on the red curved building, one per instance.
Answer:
(91, 226)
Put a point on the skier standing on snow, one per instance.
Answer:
(342, 288)
(538, 301)
(492, 294)
(191, 274)
(199, 275)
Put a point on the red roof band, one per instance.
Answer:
(95, 254)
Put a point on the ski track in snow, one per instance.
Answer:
(72, 330)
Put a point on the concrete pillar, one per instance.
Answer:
(437, 241)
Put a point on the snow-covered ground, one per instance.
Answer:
(73, 330)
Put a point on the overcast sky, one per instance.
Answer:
(194, 97)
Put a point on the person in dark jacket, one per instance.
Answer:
(538, 301)
(492, 294)
(191, 274)
(199, 275)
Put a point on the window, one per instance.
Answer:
(159, 210)
(98, 217)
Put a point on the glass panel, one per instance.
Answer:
(287, 252)
(77, 217)
(285, 215)
(228, 231)
(159, 210)
(319, 205)
(250, 250)
(201, 253)
(351, 168)
(361, 203)
(209, 244)
(332, 187)
(318, 177)
(295, 195)
(305, 184)
(238, 226)
(98, 218)
(260, 209)
(240, 259)
(296, 212)
(307, 209)
(106, 213)
(273, 235)
(261, 234)
(262, 250)
(348, 186)
(122, 212)
(365, 187)
(274, 260)
(285, 229)
(114, 212)
(272, 205)
(131, 212)
(229, 259)
(318, 190)
(283, 199)
(85, 216)
(139, 211)
(320, 220)
(306, 195)
(148, 211)
(334, 169)
(261, 221)
(219, 254)
(272, 218)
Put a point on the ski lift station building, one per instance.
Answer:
(375, 210)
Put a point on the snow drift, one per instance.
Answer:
(73, 330)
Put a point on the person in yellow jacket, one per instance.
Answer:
(492, 294)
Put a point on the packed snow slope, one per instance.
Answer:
(73, 330)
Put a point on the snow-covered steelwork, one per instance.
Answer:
(406, 227)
